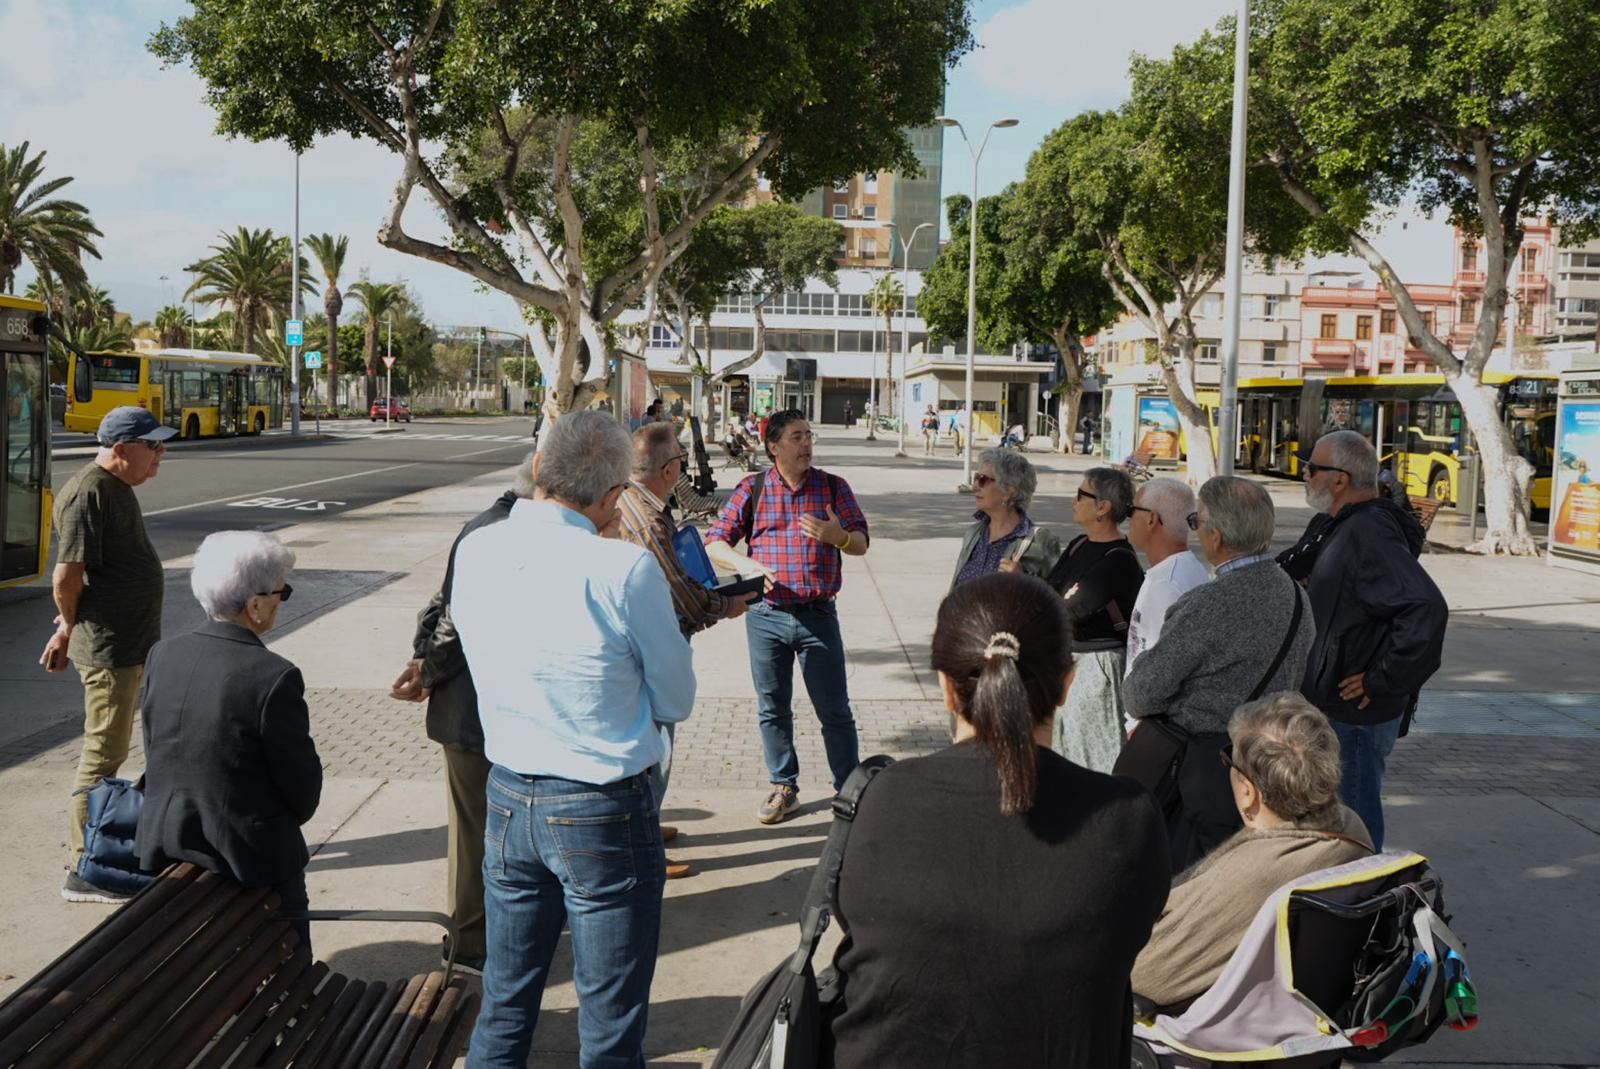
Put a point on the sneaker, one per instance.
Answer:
(470, 966)
(78, 889)
(783, 800)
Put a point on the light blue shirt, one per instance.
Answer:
(573, 646)
(1241, 562)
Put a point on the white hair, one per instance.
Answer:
(1240, 511)
(230, 567)
(522, 484)
(1014, 474)
(1173, 501)
(585, 456)
(1352, 452)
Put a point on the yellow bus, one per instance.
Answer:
(196, 392)
(25, 499)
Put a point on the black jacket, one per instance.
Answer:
(1377, 611)
(230, 769)
(453, 706)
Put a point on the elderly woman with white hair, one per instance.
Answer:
(1004, 538)
(231, 772)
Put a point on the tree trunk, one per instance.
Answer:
(888, 366)
(1507, 476)
(372, 362)
(1178, 374)
(1070, 346)
(331, 310)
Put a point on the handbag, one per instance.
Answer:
(109, 860)
(780, 1022)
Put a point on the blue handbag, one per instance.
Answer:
(109, 860)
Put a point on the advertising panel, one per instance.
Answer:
(1159, 433)
(1575, 517)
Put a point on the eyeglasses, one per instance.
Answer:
(154, 447)
(1193, 520)
(1141, 508)
(282, 593)
(1312, 470)
(1226, 754)
(980, 480)
(1082, 493)
(673, 460)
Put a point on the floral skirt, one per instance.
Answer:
(1088, 728)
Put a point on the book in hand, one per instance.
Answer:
(691, 551)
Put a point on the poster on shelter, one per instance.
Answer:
(1576, 493)
(1158, 428)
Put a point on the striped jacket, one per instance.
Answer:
(646, 524)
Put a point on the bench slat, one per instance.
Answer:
(325, 1043)
(451, 1022)
(374, 1052)
(237, 1032)
(365, 1028)
(416, 1016)
(309, 1019)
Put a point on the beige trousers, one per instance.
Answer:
(110, 699)
(467, 780)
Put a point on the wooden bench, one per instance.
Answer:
(196, 971)
(1425, 509)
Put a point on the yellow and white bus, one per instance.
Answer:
(196, 392)
(25, 499)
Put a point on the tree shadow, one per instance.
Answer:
(373, 851)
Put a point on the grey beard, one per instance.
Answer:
(1318, 499)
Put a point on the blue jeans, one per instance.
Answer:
(776, 638)
(554, 852)
(1363, 750)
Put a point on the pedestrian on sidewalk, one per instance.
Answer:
(1159, 528)
(958, 427)
(1222, 645)
(108, 587)
(1086, 427)
(798, 521)
(647, 522)
(930, 430)
(993, 895)
(437, 673)
(849, 414)
(1099, 576)
(1004, 538)
(1380, 618)
(571, 642)
(231, 771)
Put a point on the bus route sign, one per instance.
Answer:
(313, 359)
(293, 332)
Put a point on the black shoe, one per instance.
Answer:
(470, 966)
(78, 889)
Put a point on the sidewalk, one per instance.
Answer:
(1499, 784)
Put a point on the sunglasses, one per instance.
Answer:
(1193, 520)
(1313, 470)
(282, 593)
(1082, 493)
(980, 481)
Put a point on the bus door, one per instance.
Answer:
(25, 432)
(231, 405)
(1394, 418)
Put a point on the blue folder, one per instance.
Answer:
(691, 551)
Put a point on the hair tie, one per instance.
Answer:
(1003, 644)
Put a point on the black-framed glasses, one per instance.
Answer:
(673, 460)
(1082, 493)
(1313, 470)
(981, 480)
(1226, 754)
(1193, 520)
(1141, 508)
(282, 593)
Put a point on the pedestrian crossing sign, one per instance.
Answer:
(313, 359)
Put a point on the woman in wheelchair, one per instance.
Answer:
(1283, 763)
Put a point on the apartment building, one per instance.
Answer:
(1576, 290)
(1529, 284)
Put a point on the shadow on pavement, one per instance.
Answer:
(395, 848)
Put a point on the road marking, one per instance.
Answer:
(315, 482)
(298, 504)
(358, 436)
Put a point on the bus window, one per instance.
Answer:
(25, 420)
(114, 372)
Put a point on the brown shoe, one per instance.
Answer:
(668, 833)
(676, 870)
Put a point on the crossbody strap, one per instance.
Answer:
(825, 880)
(1283, 650)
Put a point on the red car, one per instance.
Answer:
(392, 408)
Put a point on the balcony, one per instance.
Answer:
(1334, 354)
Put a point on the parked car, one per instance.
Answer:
(391, 407)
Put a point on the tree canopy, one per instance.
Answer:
(37, 227)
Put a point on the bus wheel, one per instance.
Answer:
(191, 427)
(261, 423)
(1439, 486)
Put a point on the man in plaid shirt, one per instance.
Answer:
(802, 520)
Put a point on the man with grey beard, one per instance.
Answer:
(1380, 617)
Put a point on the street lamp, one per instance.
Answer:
(1228, 408)
(972, 283)
(388, 369)
(294, 305)
(905, 324)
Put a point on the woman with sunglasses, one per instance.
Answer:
(231, 772)
(1004, 538)
(1099, 575)
(1282, 763)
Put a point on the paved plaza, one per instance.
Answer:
(1499, 781)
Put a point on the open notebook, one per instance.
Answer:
(691, 551)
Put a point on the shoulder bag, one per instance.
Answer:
(781, 1021)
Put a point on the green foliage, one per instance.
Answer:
(49, 232)
(174, 327)
(249, 273)
(757, 251)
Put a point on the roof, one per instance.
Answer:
(218, 355)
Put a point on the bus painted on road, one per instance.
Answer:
(25, 498)
(197, 392)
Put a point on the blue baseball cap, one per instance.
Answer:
(130, 423)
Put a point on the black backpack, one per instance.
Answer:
(781, 1020)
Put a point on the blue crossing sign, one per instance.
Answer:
(293, 332)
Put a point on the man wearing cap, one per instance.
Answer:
(108, 586)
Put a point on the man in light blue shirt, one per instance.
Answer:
(577, 658)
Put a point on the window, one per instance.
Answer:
(1363, 328)
(1427, 320)
(869, 211)
(1211, 306)
(1468, 310)
(1386, 321)
(841, 211)
(853, 304)
(842, 186)
(860, 341)
(1271, 305)
(869, 248)
(1330, 327)
(116, 372)
(1469, 257)
(1270, 351)
(1530, 261)
(1209, 351)
(872, 181)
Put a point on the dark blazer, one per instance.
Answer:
(230, 769)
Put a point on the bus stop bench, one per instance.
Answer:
(1425, 509)
(196, 971)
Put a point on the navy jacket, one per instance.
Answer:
(230, 769)
(1377, 611)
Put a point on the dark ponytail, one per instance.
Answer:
(1004, 640)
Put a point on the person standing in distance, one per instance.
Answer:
(1159, 528)
(798, 521)
(108, 588)
(1380, 617)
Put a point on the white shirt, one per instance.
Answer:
(1164, 583)
(573, 646)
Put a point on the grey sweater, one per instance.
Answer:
(1217, 642)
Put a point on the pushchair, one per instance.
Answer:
(1352, 962)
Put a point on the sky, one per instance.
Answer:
(139, 141)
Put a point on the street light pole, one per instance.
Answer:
(972, 285)
(905, 325)
(388, 369)
(477, 375)
(294, 305)
(1228, 410)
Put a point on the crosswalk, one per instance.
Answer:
(410, 436)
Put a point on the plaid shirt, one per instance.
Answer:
(805, 568)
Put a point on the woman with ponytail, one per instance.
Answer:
(994, 895)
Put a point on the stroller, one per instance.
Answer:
(1353, 962)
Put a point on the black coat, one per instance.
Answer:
(230, 769)
(1377, 611)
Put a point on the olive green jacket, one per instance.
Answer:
(1038, 551)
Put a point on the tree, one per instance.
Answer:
(50, 233)
(92, 304)
(811, 92)
(330, 253)
(886, 297)
(1486, 110)
(249, 273)
(173, 327)
(378, 300)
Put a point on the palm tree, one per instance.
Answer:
(93, 305)
(98, 337)
(886, 297)
(249, 272)
(378, 299)
(173, 327)
(49, 233)
(51, 296)
(330, 252)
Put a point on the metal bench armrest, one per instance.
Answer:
(393, 916)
